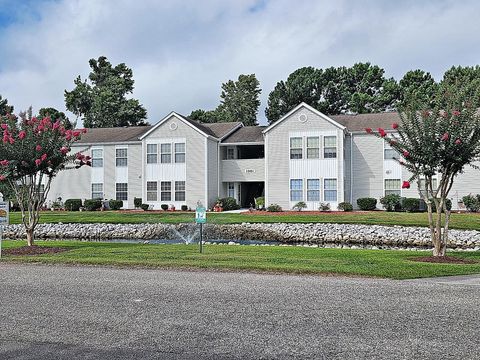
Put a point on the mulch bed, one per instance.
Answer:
(34, 250)
(444, 260)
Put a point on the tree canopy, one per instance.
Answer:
(4, 107)
(102, 101)
(54, 114)
(239, 102)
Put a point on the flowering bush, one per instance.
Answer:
(32, 152)
(437, 143)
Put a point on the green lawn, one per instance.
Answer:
(374, 263)
(458, 221)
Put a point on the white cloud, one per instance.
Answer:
(181, 52)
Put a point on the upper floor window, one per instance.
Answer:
(296, 190)
(179, 190)
(97, 158)
(388, 152)
(152, 187)
(329, 147)
(296, 148)
(121, 191)
(97, 191)
(179, 152)
(313, 147)
(152, 153)
(121, 157)
(330, 190)
(165, 153)
(393, 186)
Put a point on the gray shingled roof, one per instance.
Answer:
(246, 134)
(222, 129)
(361, 121)
(113, 135)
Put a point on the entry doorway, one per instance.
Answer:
(249, 191)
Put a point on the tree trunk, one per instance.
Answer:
(440, 248)
(30, 237)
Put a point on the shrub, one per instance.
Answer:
(345, 206)
(184, 207)
(367, 203)
(448, 202)
(73, 204)
(115, 204)
(391, 202)
(274, 208)
(164, 207)
(472, 203)
(299, 206)
(137, 202)
(411, 204)
(260, 202)
(228, 203)
(144, 207)
(324, 207)
(92, 204)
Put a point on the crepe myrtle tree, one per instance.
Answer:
(436, 143)
(32, 152)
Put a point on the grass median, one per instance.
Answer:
(458, 221)
(299, 260)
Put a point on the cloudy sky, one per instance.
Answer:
(181, 51)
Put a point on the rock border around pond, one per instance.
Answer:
(316, 234)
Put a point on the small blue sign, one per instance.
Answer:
(200, 215)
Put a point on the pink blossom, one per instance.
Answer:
(64, 150)
(4, 163)
(4, 126)
(76, 133)
(56, 125)
(456, 113)
(406, 185)
(43, 157)
(22, 134)
(84, 131)
(2, 178)
(395, 126)
(368, 130)
(38, 162)
(445, 136)
(382, 132)
(38, 148)
(11, 140)
(458, 141)
(406, 154)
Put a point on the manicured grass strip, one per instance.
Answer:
(374, 263)
(458, 221)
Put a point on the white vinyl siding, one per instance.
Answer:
(393, 186)
(121, 156)
(121, 191)
(330, 190)
(97, 191)
(313, 147)
(313, 189)
(97, 158)
(152, 153)
(152, 190)
(296, 190)
(296, 148)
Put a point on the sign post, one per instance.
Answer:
(201, 218)
(3, 220)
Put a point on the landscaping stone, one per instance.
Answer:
(323, 235)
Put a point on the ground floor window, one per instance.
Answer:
(121, 191)
(330, 190)
(231, 190)
(393, 186)
(313, 189)
(97, 191)
(179, 190)
(152, 188)
(166, 191)
(296, 190)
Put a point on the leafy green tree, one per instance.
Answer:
(4, 107)
(54, 114)
(101, 101)
(419, 86)
(210, 116)
(32, 153)
(467, 78)
(438, 141)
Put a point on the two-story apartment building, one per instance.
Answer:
(304, 156)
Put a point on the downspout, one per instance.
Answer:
(351, 168)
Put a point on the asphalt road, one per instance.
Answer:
(58, 312)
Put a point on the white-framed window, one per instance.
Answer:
(97, 157)
(152, 191)
(313, 189)
(121, 156)
(166, 191)
(152, 153)
(330, 190)
(422, 185)
(393, 186)
(388, 152)
(296, 148)
(231, 190)
(165, 153)
(230, 153)
(329, 147)
(179, 190)
(313, 147)
(296, 190)
(121, 191)
(97, 191)
(179, 152)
